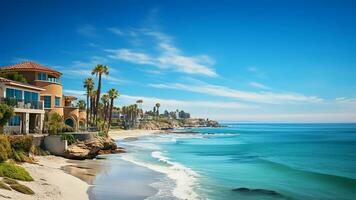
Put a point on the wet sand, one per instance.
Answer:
(114, 178)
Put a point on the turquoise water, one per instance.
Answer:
(299, 161)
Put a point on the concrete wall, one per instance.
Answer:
(38, 140)
(12, 129)
(55, 145)
(84, 136)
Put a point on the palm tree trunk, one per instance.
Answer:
(87, 109)
(111, 107)
(98, 96)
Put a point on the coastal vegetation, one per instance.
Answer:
(54, 124)
(11, 170)
(14, 76)
(99, 70)
(6, 112)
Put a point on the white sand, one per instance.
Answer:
(122, 134)
(50, 182)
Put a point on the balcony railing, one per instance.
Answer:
(21, 103)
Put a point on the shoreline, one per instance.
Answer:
(58, 178)
(50, 181)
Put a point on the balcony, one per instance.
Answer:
(21, 103)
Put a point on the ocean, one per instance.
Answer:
(266, 161)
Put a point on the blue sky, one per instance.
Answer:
(256, 61)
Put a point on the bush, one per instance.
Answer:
(38, 151)
(69, 137)
(21, 143)
(9, 181)
(5, 148)
(22, 189)
(4, 186)
(21, 156)
(15, 172)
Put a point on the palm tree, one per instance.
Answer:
(81, 104)
(113, 94)
(139, 102)
(105, 99)
(92, 96)
(157, 106)
(89, 85)
(98, 71)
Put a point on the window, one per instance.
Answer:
(15, 121)
(30, 96)
(13, 93)
(58, 101)
(53, 79)
(41, 76)
(34, 96)
(47, 101)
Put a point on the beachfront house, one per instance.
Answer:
(29, 110)
(48, 84)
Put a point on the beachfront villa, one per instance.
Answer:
(43, 93)
(29, 111)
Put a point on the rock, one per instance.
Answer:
(257, 191)
(89, 149)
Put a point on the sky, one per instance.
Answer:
(243, 61)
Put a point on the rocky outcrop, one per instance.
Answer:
(89, 149)
(159, 125)
(165, 124)
(257, 191)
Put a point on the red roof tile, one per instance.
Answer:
(16, 83)
(4, 80)
(29, 66)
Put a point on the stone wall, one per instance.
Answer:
(55, 145)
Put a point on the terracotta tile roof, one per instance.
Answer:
(29, 66)
(70, 98)
(18, 84)
(4, 80)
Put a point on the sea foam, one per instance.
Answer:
(184, 178)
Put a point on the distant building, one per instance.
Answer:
(48, 83)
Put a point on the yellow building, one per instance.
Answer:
(51, 94)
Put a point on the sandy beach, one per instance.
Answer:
(50, 182)
(57, 178)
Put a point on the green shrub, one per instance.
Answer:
(38, 151)
(15, 172)
(20, 156)
(21, 143)
(4, 186)
(9, 181)
(5, 148)
(69, 137)
(22, 189)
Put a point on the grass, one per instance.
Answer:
(22, 189)
(4, 186)
(15, 172)
(9, 181)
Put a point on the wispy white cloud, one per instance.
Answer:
(289, 117)
(257, 72)
(116, 31)
(170, 57)
(87, 30)
(131, 56)
(82, 69)
(260, 97)
(345, 100)
(259, 85)
(181, 104)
